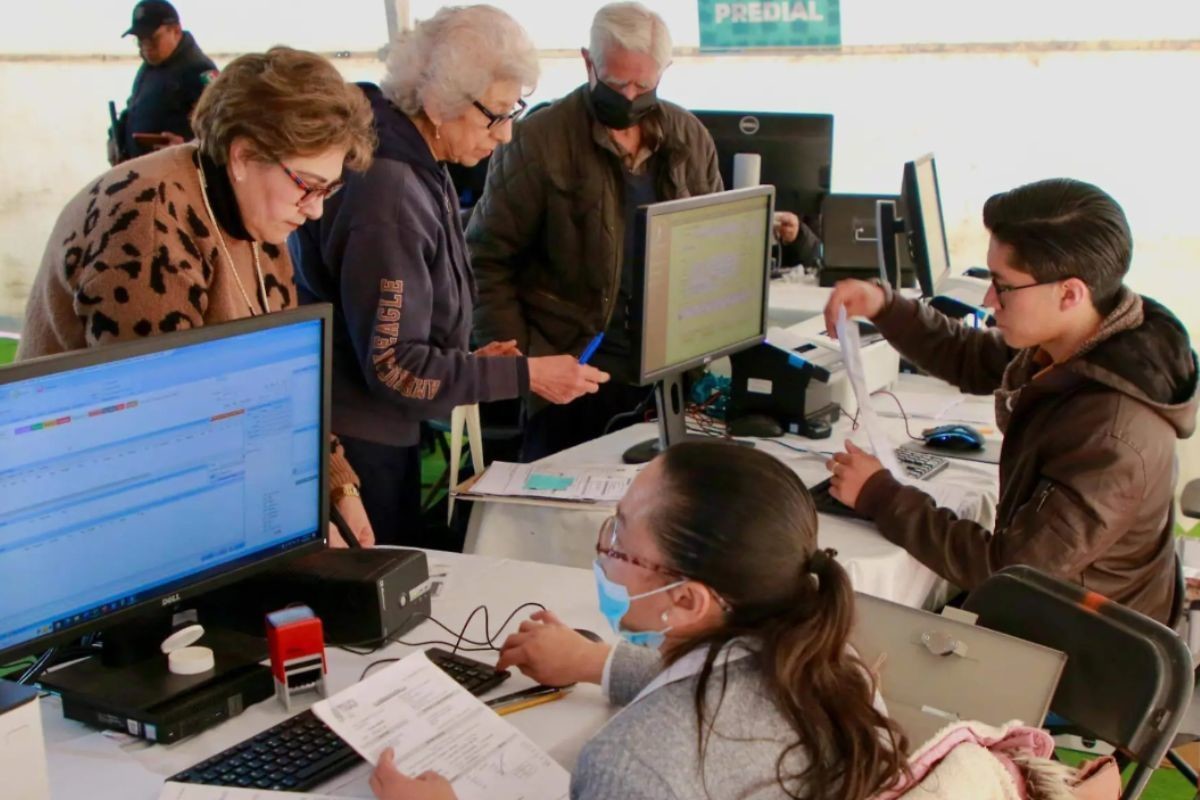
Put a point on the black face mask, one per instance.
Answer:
(615, 110)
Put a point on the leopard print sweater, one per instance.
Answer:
(135, 254)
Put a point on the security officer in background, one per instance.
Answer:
(173, 74)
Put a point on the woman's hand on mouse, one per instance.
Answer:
(850, 471)
(547, 650)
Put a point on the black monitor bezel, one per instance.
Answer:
(918, 246)
(223, 574)
(766, 126)
(644, 215)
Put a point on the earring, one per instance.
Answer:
(665, 614)
(437, 132)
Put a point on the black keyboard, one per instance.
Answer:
(828, 504)
(301, 752)
(919, 465)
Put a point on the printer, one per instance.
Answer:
(797, 377)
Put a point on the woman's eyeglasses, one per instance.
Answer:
(606, 546)
(495, 119)
(312, 192)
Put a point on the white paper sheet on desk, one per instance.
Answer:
(588, 484)
(432, 723)
(196, 791)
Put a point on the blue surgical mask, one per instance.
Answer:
(615, 601)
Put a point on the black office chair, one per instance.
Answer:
(1128, 679)
(1190, 501)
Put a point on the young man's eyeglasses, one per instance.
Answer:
(495, 119)
(312, 192)
(1002, 290)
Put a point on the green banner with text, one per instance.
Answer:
(733, 25)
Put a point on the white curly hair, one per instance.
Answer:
(632, 27)
(449, 60)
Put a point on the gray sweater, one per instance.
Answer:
(648, 750)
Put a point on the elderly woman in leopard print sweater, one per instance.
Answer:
(193, 235)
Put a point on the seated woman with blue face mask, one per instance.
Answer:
(734, 671)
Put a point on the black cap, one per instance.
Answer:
(149, 14)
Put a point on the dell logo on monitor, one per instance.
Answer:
(171, 598)
(748, 125)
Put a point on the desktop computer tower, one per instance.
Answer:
(363, 597)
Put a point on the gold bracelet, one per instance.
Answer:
(338, 492)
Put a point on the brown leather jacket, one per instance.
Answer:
(546, 238)
(1087, 470)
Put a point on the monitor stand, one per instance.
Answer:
(128, 687)
(671, 401)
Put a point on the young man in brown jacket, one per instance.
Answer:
(1093, 385)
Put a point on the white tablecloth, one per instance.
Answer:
(568, 536)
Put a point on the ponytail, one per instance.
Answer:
(744, 525)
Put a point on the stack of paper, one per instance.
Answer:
(431, 723)
(584, 484)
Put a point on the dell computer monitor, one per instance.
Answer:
(704, 291)
(796, 151)
(925, 231)
(138, 475)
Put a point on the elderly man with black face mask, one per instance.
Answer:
(552, 238)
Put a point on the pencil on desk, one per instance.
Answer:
(521, 705)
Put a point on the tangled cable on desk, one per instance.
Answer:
(488, 644)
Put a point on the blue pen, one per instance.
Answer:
(592, 347)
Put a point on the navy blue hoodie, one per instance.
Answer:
(389, 254)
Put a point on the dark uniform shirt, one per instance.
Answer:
(163, 96)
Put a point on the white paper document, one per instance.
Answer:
(433, 723)
(584, 484)
(881, 443)
(196, 791)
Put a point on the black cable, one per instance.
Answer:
(637, 411)
(343, 528)
(37, 667)
(488, 645)
(903, 414)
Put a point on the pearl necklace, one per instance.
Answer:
(262, 286)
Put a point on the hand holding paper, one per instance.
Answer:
(432, 724)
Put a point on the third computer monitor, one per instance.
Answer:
(925, 231)
(796, 151)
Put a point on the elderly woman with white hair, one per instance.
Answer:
(390, 255)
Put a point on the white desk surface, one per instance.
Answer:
(84, 763)
(568, 535)
(795, 297)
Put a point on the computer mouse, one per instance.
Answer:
(978, 272)
(757, 425)
(953, 437)
(591, 636)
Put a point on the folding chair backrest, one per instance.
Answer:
(1128, 679)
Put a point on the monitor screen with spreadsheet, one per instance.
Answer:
(706, 273)
(135, 475)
